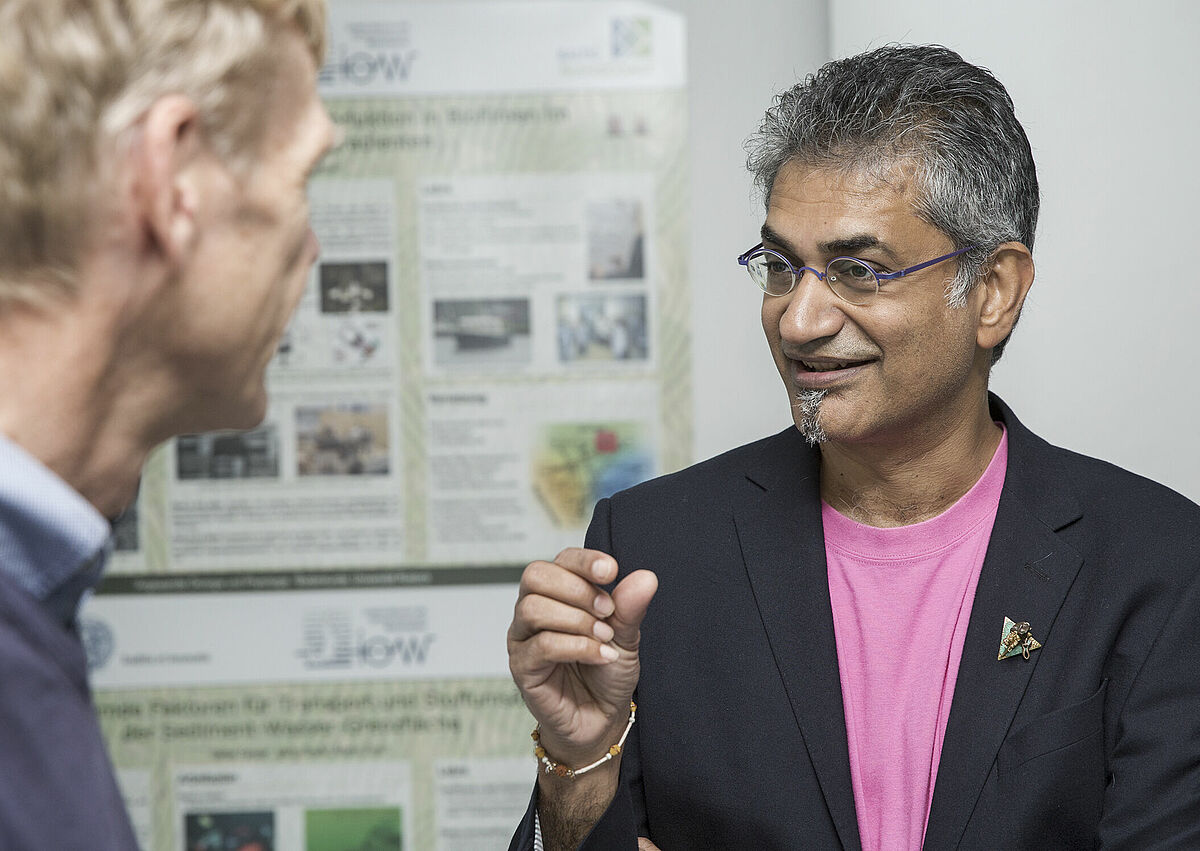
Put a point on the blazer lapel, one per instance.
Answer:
(1026, 575)
(780, 533)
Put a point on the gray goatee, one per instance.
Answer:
(808, 405)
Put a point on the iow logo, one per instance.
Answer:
(382, 651)
(364, 68)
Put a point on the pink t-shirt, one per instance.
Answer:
(901, 603)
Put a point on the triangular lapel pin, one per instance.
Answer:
(1017, 639)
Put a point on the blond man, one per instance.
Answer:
(154, 241)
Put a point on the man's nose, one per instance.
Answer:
(813, 310)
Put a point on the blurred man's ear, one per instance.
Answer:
(166, 190)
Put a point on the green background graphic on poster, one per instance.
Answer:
(441, 413)
(412, 723)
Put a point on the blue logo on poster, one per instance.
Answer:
(327, 639)
(98, 642)
(631, 37)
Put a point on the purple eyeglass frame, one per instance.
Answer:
(798, 273)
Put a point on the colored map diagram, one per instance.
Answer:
(576, 464)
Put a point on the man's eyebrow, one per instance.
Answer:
(769, 235)
(851, 245)
(847, 246)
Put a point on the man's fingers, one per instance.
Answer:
(563, 582)
(529, 657)
(535, 613)
(592, 565)
(645, 844)
(562, 617)
(631, 598)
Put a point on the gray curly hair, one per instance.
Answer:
(924, 106)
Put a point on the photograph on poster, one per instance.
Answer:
(252, 454)
(576, 464)
(480, 331)
(595, 327)
(230, 831)
(615, 239)
(291, 340)
(358, 341)
(342, 440)
(344, 829)
(353, 287)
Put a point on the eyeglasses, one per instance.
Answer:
(851, 279)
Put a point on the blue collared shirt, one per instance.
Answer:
(50, 536)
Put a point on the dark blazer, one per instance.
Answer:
(57, 789)
(740, 740)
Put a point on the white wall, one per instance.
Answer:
(1105, 358)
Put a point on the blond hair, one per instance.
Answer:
(76, 75)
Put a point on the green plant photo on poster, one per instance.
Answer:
(357, 829)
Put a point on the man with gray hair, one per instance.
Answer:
(154, 241)
(908, 621)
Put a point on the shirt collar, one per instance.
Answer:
(48, 531)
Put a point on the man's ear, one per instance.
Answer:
(166, 192)
(1006, 281)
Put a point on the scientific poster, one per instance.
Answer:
(301, 640)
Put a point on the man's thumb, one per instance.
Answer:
(631, 598)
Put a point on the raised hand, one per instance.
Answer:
(573, 650)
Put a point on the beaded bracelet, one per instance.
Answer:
(559, 770)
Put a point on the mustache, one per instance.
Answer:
(839, 353)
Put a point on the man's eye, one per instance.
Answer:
(778, 267)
